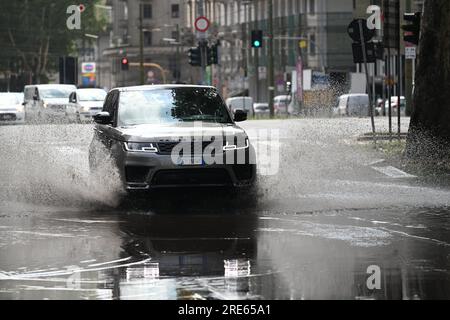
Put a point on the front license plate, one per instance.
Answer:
(190, 161)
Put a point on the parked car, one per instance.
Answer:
(49, 102)
(281, 105)
(352, 105)
(11, 108)
(148, 131)
(394, 105)
(261, 110)
(240, 103)
(87, 103)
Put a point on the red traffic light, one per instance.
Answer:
(124, 62)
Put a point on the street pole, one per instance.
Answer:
(369, 89)
(141, 46)
(178, 62)
(201, 11)
(399, 79)
(271, 75)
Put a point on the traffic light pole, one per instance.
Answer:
(369, 89)
(203, 53)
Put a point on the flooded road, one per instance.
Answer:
(333, 209)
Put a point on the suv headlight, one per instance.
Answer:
(237, 145)
(140, 147)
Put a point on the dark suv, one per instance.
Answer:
(172, 136)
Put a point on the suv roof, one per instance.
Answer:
(160, 86)
(49, 85)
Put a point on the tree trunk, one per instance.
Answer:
(429, 134)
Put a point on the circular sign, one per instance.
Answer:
(354, 30)
(202, 24)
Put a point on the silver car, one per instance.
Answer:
(49, 103)
(11, 108)
(87, 103)
(172, 136)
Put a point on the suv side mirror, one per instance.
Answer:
(240, 116)
(103, 118)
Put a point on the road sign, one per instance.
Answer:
(354, 31)
(202, 24)
(410, 53)
(88, 67)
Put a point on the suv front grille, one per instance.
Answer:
(167, 147)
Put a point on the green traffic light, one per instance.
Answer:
(256, 44)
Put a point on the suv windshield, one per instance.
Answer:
(171, 105)
(55, 93)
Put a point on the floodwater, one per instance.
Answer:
(333, 209)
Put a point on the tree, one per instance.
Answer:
(429, 135)
(33, 34)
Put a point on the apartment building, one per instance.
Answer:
(165, 39)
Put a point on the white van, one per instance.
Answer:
(49, 102)
(353, 105)
(240, 103)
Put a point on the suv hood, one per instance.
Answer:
(173, 132)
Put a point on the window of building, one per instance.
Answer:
(312, 44)
(147, 11)
(312, 7)
(174, 35)
(175, 11)
(148, 38)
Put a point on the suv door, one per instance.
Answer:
(111, 107)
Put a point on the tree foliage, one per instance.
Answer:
(33, 34)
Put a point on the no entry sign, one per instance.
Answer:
(202, 24)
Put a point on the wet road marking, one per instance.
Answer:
(109, 262)
(439, 242)
(28, 276)
(393, 172)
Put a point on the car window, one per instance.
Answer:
(55, 93)
(28, 94)
(171, 105)
(107, 103)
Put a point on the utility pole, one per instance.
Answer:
(141, 46)
(203, 44)
(409, 74)
(177, 58)
(271, 75)
(256, 55)
(399, 76)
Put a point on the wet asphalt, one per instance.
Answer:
(317, 222)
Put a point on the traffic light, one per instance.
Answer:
(195, 57)
(213, 54)
(257, 39)
(412, 30)
(124, 63)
